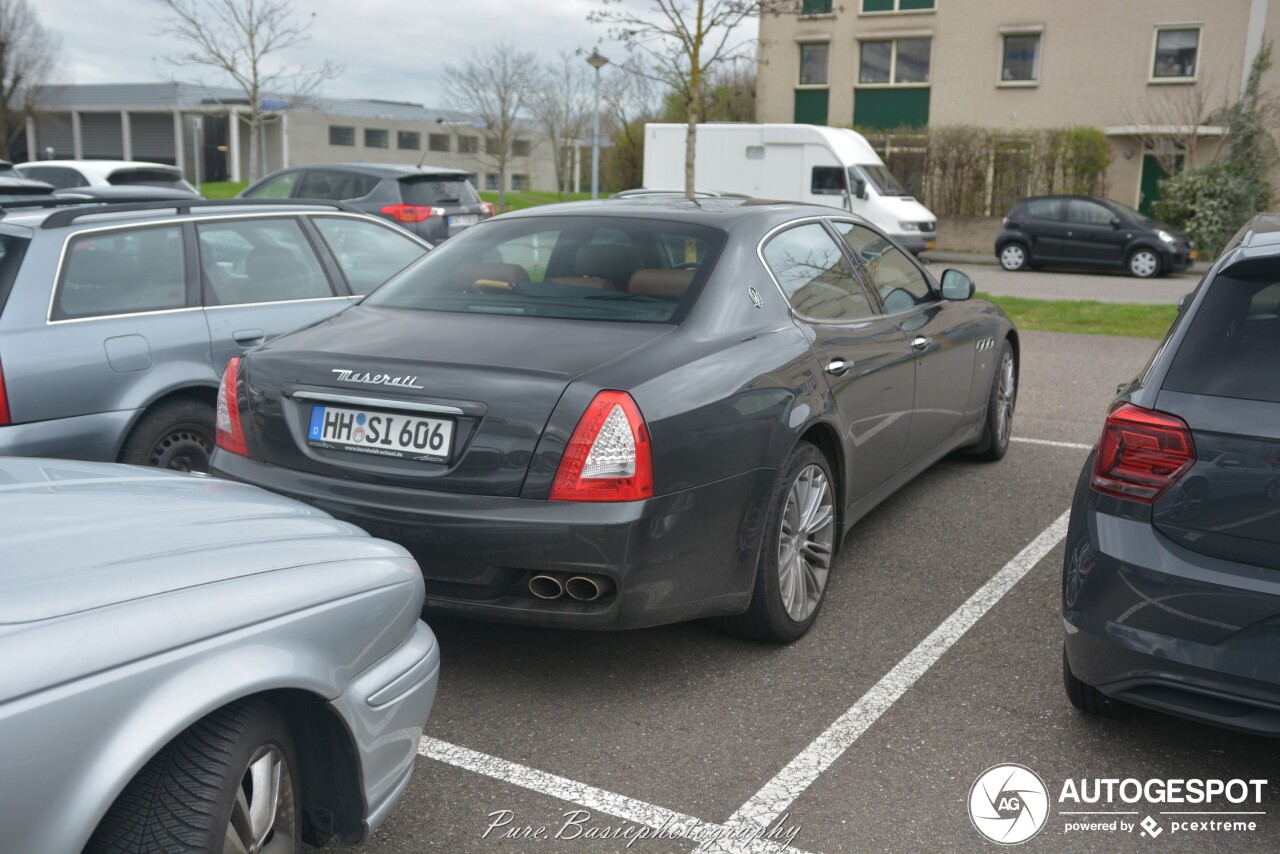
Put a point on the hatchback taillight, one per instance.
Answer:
(608, 457)
(411, 213)
(1142, 453)
(229, 431)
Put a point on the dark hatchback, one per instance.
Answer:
(1171, 581)
(433, 203)
(618, 414)
(1082, 231)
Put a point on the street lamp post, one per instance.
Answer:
(597, 61)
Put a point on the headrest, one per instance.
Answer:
(615, 262)
(667, 284)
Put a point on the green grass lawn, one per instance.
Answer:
(530, 198)
(222, 189)
(1087, 316)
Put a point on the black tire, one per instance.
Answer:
(181, 801)
(995, 433)
(1014, 256)
(1089, 699)
(1144, 263)
(767, 618)
(175, 435)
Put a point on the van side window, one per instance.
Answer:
(898, 280)
(827, 181)
(121, 272)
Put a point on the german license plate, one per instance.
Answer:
(929, 244)
(1194, 253)
(464, 219)
(413, 437)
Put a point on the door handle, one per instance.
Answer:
(838, 367)
(248, 336)
(920, 342)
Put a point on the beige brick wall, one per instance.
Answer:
(968, 234)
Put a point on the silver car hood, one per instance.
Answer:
(76, 536)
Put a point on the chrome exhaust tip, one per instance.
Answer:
(588, 588)
(546, 587)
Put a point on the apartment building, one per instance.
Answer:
(1134, 68)
(205, 130)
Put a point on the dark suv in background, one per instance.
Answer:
(431, 202)
(1171, 580)
(1082, 231)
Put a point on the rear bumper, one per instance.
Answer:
(682, 556)
(1159, 626)
(94, 437)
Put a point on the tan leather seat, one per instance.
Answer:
(468, 276)
(656, 282)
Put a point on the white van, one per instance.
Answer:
(801, 163)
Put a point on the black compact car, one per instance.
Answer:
(1081, 231)
(1171, 583)
(433, 203)
(624, 413)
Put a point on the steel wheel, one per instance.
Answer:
(804, 544)
(1144, 264)
(185, 448)
(262, 815)
(1013, 257)
(1006, 399)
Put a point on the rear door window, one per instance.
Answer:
(368, 253)
(122, 272)
(898, 280)
(442, 191)
(814, 275)
(332, 184)
(1233, 344)
(279, 187)
(259, 260)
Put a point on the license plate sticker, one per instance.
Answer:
(464, 219)
(410, 437)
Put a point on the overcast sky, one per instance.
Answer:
(391, 49)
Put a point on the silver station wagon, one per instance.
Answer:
(116, 321)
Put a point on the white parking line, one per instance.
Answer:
(776, 797)
(665, 823)
(1075, 445)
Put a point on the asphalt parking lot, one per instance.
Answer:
(868, 733)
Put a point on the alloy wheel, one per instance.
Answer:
(805, 543)
(262, 815)
(1006, 398)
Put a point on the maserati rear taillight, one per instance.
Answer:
(1142, 453)
(608, 457)
(229, 431)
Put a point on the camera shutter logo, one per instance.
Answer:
(1008, 804)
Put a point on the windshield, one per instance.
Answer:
(589, 268)
(878, 176)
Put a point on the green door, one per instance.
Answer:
(1149, 187)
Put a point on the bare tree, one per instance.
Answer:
(241, 39)
(28, 54)
(629, 102)
(563, 107)
(495, 87)
(684, 40)
(1170, 123)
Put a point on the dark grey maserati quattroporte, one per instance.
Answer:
(619, 414)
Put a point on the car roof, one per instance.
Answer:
(103, 167)
(87, 215)
(1253, 249)
(381, 170)
(721, 212)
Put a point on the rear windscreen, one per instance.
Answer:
(148, 178)
(12, 250)
(438, 191)
(1232, 348)
(590, 268)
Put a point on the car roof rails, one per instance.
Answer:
(84, 207)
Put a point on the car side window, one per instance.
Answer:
(122, 272)
(367, 252)
(279, 187)
(1082, 212)
(1045, 209)
(331, 184)
(259, 260)
(898, 280)
(61, 177)
(814, 275)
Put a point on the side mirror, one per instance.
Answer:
(957, 286)
(1116, 222)
(860, 188)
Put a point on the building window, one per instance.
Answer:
(339, 135)
(813, 64)
(491, 181)
(1175, 53)
(376, 138)
(1021, 63)
(899, 62)
(520, 148)
(468, 145)
(409, 139)
(490, 146)
(438, 141)
(872, 7)
(519, 182)
(815, 7)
